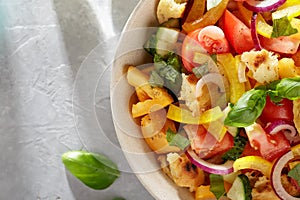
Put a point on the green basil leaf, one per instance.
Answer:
(282, 27)
(171, 77)
(94, 170)
(248, 108)
(217, 185)
(201, 70)
(174, 61)
(156, 80)
(289, 88)
(295, 173)
(176, 139)
(236, 151)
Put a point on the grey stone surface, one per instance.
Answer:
(52, 52)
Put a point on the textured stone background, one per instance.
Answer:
(49, 49)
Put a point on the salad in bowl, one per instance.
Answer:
(219, 103)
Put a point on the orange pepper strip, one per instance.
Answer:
(196, 11)
(209, 18)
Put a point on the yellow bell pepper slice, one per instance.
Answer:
(253, 162)
(296, 150)
(290, 12)
(203, 193)
(289, 3)
(237, 89)
(217, 129)
(287, 68)
(263, 28)
(295, 22)
(185, 116)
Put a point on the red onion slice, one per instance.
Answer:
(286, 127)
(254, 34)
(276, 177)
(263, 6)
(280, 125)
(223, 169)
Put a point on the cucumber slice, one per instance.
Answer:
(240, 189)
(166, 40)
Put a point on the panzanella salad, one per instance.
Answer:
(220, 105)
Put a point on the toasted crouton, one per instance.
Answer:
(263, 64)
(168, 9)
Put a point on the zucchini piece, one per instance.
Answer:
(240, 189)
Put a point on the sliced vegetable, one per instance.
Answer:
(231, 71)
(295, 173)
(282, 44)
(93, 169)
(154, 132)
(173, 23)
(209, 18)
(237, 33)
(237, 150)
(289, 12)
(263, 6)
(217, 185)
(281, 125)
(185, 116)
(191, 45)
(262, 27)
(287, 88)
(196, 11)
(225, 168)
(253, 163)
(212, 3)
(254, 32)
(176, 139)
(240, 189)
(166, 39)
(212, 39)
(276, 176)
(269, 146)
(169, 72)
(205, 144)
(203, 192)
(248, 108)
(282, 110)
(282, 27)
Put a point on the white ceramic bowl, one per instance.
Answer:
(130, 52)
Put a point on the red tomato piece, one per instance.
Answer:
(237, 33)
(269, 146)
(282, 110)
(250, 151)
(207, 146)
(191, 45)
(283, 44)
(210, 39)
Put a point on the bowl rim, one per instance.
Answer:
(176, 192)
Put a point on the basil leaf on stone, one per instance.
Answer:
(94, 170)
(248, 108)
